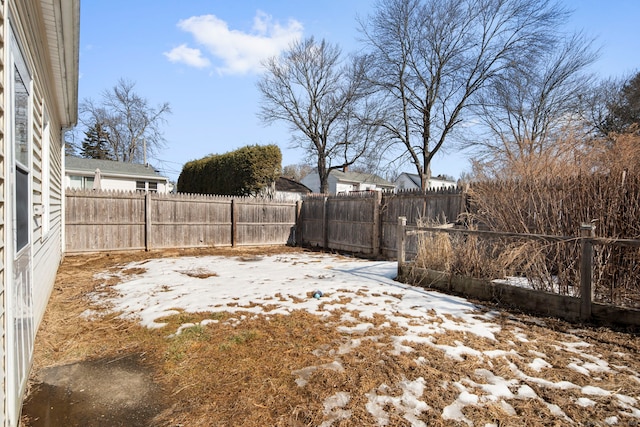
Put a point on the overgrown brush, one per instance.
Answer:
(602, 189)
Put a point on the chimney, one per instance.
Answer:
(345, 168)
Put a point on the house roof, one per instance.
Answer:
(291, 186)
(415, 178)
(111, 168)
(361, 177)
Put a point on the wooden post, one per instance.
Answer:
(400, 237)
(325, 223)
(298, 226)
(375, 244)
(234, 228)
(147, 221)
(586, 270)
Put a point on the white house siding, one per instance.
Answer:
(412, 182)
(3, 219)
(46, 40)
(118, 184)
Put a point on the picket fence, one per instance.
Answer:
(364, 223)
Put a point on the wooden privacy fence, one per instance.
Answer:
(571, 307)
(366, 222)
(105, 221)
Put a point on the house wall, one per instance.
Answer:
(346, 187)
(435, 183)
(403, 182)
(23, 306)
(3, 221)
(119, 184)
(312, 181)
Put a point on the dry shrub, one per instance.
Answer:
(435, 251)
(551, 193)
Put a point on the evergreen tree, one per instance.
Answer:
(624, 110)
(95, 144)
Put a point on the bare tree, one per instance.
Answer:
(133, 126)
(297, 171)
(323, 98)
(430, 57)
(530, 113)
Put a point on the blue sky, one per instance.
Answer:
(202, 56)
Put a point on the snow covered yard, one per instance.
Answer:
(451, 361)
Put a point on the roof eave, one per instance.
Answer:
(63, 34)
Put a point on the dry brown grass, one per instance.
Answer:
(226, 375)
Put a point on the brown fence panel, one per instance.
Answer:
(260, 223)
(416, 207)
(311, 229)
(104, 221)
(188, 221)
(351, 221)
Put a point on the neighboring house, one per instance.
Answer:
(38, 102)
(290, 190)
(411, 181)
(346, 182)
(109, 175)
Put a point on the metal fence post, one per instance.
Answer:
(586, 270)
(400, 236)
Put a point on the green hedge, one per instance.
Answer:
(243, 172)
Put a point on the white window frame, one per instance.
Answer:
(46, 175)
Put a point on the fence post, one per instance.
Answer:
(234, 228)
(147, 221)
(377, 202)
(586, 270)
(402, 223)
(325, 223)
(298, 226)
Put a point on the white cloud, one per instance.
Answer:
(239, 52)
(187, 55)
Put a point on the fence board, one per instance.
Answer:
(350, 221)
(101, 221)
(367, 222)
(190, 221)
(104, 221)
(417, 207)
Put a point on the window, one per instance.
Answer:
(151, 187)
(77, 182)
(21, 153)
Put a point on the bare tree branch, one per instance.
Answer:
(324, 99)
(133, 126)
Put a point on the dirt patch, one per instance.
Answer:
(106, 392)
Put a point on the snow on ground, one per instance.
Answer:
(282, 283)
